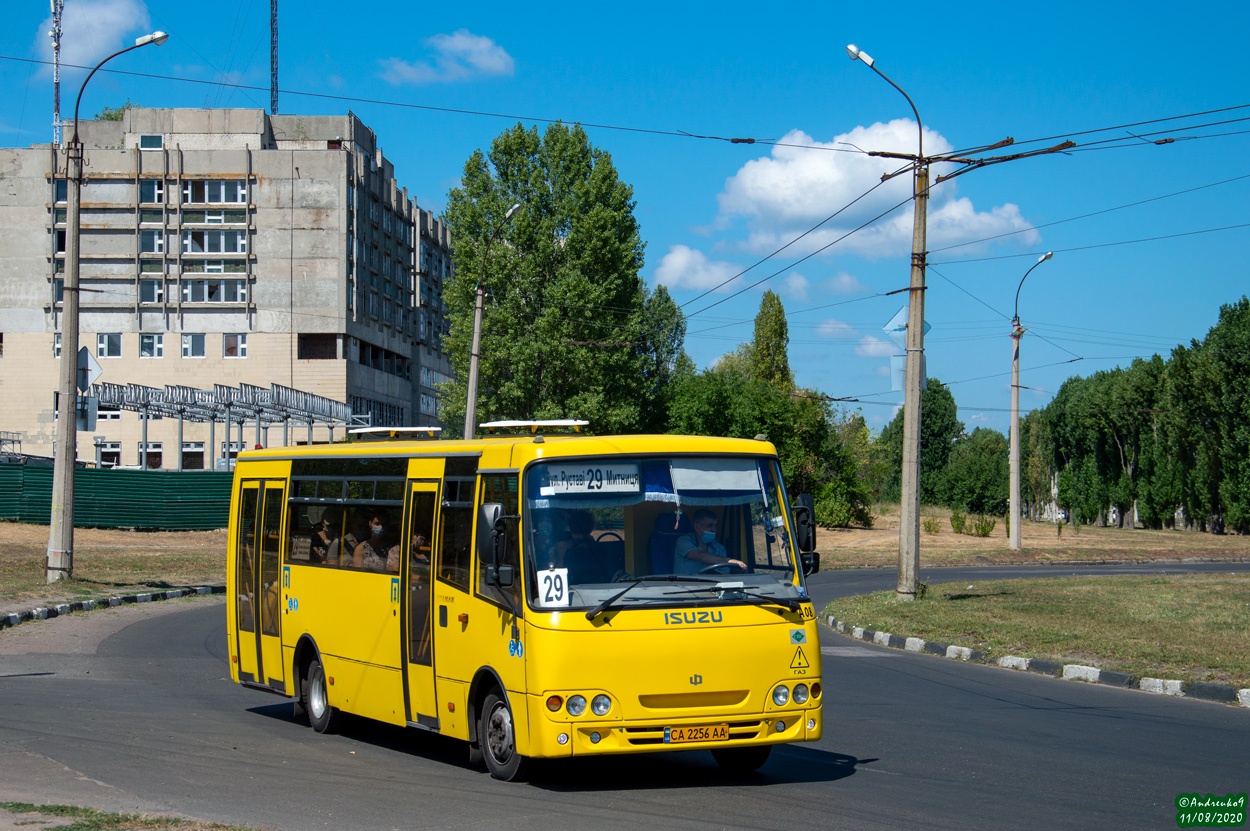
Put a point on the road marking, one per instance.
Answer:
(855, 652)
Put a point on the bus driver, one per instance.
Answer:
(698, 550)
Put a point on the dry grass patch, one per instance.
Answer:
(1195, 627)
(877, 547)
(107, 562)
(72, 818)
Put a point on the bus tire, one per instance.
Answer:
(497, 736)
(316, 701)
(742, 759)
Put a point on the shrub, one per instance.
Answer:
(958, 521)
(982, 526)
(931, 525)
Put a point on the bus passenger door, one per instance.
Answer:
(259, 597)
(419, 537)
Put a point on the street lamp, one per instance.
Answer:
(1013, 511)
(470, 410)
(909, 510)
(60, 563)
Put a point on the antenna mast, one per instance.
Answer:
(273, 57)
(58, 6)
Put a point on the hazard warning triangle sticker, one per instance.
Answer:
(800, 660)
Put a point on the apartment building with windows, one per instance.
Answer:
(221, 247)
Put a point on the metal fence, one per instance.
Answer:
(103, 498)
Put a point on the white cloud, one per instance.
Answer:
(459, 56)
(688, 268)
(795, 287)
(844, 283)
(835, 329)
(874, 347)
(93, 29)
(884, 371)
(788, 192)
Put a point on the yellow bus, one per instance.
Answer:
(534, 593)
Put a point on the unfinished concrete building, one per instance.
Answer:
(221, 247)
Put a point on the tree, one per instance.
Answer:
(939, 428)
(772, 340)
(977, 475)
(569, 329)
(115, 113)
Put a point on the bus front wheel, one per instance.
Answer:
(316, 702)
(742, 759)
(498, 739)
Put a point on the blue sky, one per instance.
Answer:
(709, 208)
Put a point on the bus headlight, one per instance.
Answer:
(781, 694)
(576, 705)
(800, 693)
(600, 704)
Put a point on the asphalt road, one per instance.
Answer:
(912, 741)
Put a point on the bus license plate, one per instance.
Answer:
(700, 733)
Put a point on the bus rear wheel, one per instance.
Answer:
(498, 739)
(316, 702)
(742, 759)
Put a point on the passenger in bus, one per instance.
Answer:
(379, 552)
(581, 553)
(323, 536)
(699, 550)
(545, 539)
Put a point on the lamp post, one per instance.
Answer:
(60, 562)
(909, 510)
(1013, 511)
(470, 409)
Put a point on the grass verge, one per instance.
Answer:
(1194, 627)
(106, 562)
(89, 819)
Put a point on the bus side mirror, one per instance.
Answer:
(805, 525)
(490, 545)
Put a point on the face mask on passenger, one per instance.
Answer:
(377, 530)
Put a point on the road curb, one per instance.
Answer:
(1220, 693)
(11, 619)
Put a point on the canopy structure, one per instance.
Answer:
(248, 403)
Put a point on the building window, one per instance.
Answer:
(214, 242)
(214, 291)
(151, 142)
(193, 346)
(108, 345)
(151, 346)
(152, 190)
(215, 192)
(108, 453)
(60, 241)
(151, 242)
(234, 346)
(58, 289)
(61, 188)
(318, 347)
(193, 455)
(108, 412)
(153, 454)
(151, 291)
(56, 345)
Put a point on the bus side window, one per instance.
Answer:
(459, 479)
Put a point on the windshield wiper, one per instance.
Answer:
(667, 578)
(791, 603)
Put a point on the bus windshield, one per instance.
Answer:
(682, 530)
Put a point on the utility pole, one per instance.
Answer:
(60, 557)
(1017, 332)
(470, 408)
(58, 7)
(909, 509)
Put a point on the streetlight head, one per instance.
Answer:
(1046, 256)
(855, 54)
(156, 37)
(511, 211)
